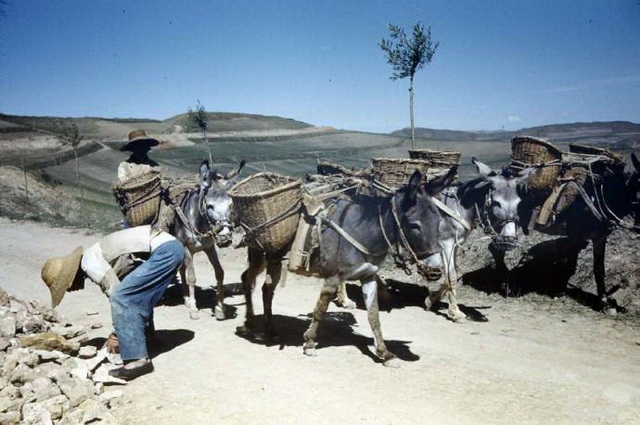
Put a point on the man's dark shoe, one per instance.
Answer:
(129, 374)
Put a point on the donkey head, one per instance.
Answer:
(501, 202)
(215, 202)
(420, 219)
(633, 189)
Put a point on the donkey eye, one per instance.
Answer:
(415, 225)
(496, 204)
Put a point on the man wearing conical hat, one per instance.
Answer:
(139, 163)
(133, 285)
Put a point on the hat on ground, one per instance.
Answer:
(138, 140)
(60, 273)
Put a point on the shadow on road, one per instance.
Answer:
(336, 330)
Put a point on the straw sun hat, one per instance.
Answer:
(139, 140)
(60, 273)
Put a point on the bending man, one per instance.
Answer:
(146, 260)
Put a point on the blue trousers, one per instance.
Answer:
(132, 302)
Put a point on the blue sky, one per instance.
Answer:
(500, 64)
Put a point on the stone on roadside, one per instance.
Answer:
(36, 414)
(4, 343)
(22, 374)
(10, 418)
(47, 356)
(25, 356)
(49, 341)
(87, 352)
(89, 411)
(5, 299)
(68, 331)
(33, 324)
(7, 324)
(76, 367)
(77, 390)
(11, 405)
(57, 406)
(44, 389)
(109, 397)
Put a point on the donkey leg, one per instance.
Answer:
(501, 270)
(219, 310)
(326, 295)
(256, 266)
(188, 275)
(448, 287)
(342, 299)
(370, 294)
(274, 274)
(599, 245)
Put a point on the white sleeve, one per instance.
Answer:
(94, 264)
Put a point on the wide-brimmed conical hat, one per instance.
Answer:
(138, 140)
(60, 273)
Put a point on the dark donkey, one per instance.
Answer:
(490, 201)
(592, 216)
(355, 241)
(203, 220)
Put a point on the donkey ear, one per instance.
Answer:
(635, 162)
(440, 183)
(524, 175)
(483, 169)
(413, 187)
(205, 175)
(236, 171)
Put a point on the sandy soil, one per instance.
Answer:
(531, 363)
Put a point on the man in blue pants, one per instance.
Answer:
(146, 260)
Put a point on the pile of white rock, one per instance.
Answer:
(47, 376)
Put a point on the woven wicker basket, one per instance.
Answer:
(528, 152)
(139, 199)
(618, 160)
(267, 206)
(436, 158)
(396, 172)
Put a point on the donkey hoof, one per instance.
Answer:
(218, 312)
(349, 304)
(194, 315)
(610, 311)
(309, 349)
(428, 303)
(392, 363)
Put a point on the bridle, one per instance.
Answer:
(402, 262)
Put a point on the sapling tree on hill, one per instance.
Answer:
(69, 135)
(200, 119)
(406, 55)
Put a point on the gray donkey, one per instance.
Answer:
(356, 238)
(491, 201)
(202, 221)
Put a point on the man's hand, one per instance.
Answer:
(113, 346)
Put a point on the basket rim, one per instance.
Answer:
(521, 139)
(409, 160)
(156, 179)
(293, 182)
(447, 151)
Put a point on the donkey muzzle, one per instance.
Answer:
(224, 236)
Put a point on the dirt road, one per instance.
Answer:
(531, 363)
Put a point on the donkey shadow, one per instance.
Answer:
(336, 330)
(544, 269)
(397, 295)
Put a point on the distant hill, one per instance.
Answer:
(622, 133)
(117, 128)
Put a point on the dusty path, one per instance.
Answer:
(531, 363)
